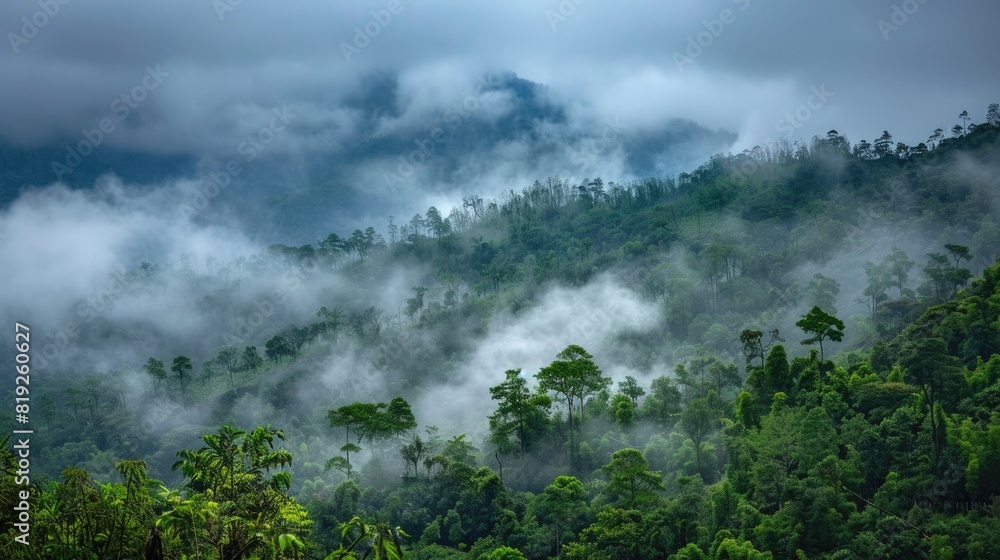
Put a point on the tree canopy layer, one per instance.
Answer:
(704, 432)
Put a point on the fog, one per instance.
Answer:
(154, 155)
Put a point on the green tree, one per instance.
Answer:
(353, 415)
(938, 375)
(879, 280)
(79, 517)
(459, 449)
(777, 374)
(179, 366)
(399, 417)
(706, 373)
(413, 453)
(631, 389)
(619, 534)
(331, 320)
(250, 360)
(236, 501)
(699, 421)
(957, 277)
(882, 146)
(993, 115)
(156, 370)
(518, 412)
(416, 303)
(563, 503)
(754, 347)
(663, 405)
(823, 292)
(822, 326)
(964, 115)
(574, 376)
(898, 266)
(379, 541)
(229, 359)
(629, 476)
(343, 463)
(503, 553)
(277, 348)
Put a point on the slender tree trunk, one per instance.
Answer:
(572, 439)
(520, 434)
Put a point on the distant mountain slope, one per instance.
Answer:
(506, 132)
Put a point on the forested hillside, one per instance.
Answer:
(791, 352)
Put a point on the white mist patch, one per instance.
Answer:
(590, 316)
(72, 262)
(63, 246)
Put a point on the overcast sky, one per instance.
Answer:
(222, 70)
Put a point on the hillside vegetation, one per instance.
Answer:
(790, 352)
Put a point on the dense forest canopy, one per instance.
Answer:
(790, 352)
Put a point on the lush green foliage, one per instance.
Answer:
(746, 450)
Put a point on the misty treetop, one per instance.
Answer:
(818, 377)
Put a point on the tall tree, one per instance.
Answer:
(934, 139)
(823, 292)
(699, 420)
(562, 503)
(277, 348)
(663, 404)
(180, 365)
(155, 369)
(413, 452)
(753, 344)
(822, 326)
(399, 417)
(938, 374)
(236, 474)
(883, 145)
(993, 115)
(629, 475)
(378, 541)
(574, 376)
(438, 225)
(897, 265)
(518, 411)
(250, 360)
(416, 303)
(229, 359)
(774, 377)
(959, 253)
(879, 281)
(631, 389)
(348, 416)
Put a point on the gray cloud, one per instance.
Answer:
(603, 58)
